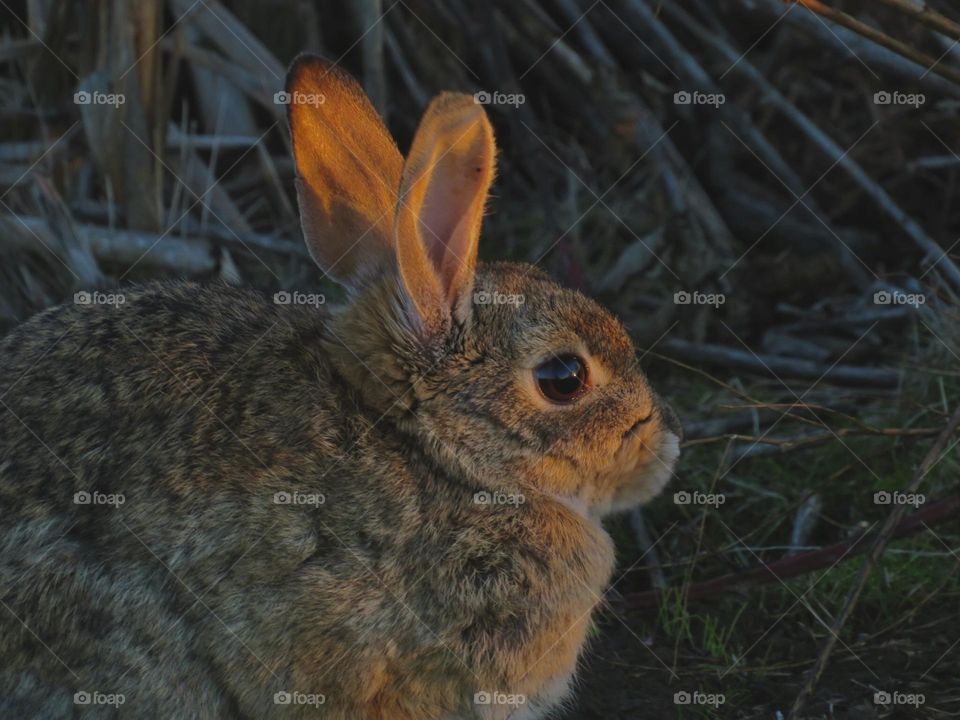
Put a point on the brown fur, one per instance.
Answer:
(399, 597)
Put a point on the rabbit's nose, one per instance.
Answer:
(671, 420)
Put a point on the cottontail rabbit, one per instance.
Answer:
(218, 504)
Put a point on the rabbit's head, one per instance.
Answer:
(498, 373)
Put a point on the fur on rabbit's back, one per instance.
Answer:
(191, 404)
(373, 580)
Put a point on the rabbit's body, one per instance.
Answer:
(218, 506)
(200, 590)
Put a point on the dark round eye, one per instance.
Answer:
(562, 379)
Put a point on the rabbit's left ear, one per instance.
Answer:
(443, 193)
(348, 171)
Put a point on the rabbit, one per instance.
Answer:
(222, 504)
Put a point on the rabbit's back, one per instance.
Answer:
(160, 405)
(142, 449)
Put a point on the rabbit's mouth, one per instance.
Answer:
(640, 469)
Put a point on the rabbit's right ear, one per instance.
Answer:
(348, 171)
(446, 179)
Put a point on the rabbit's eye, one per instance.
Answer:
(562, 379)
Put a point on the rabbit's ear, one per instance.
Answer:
(348, 171)
(442, 197)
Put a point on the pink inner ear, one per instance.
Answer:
(447, 216)
(438, 219)
(443, 193)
